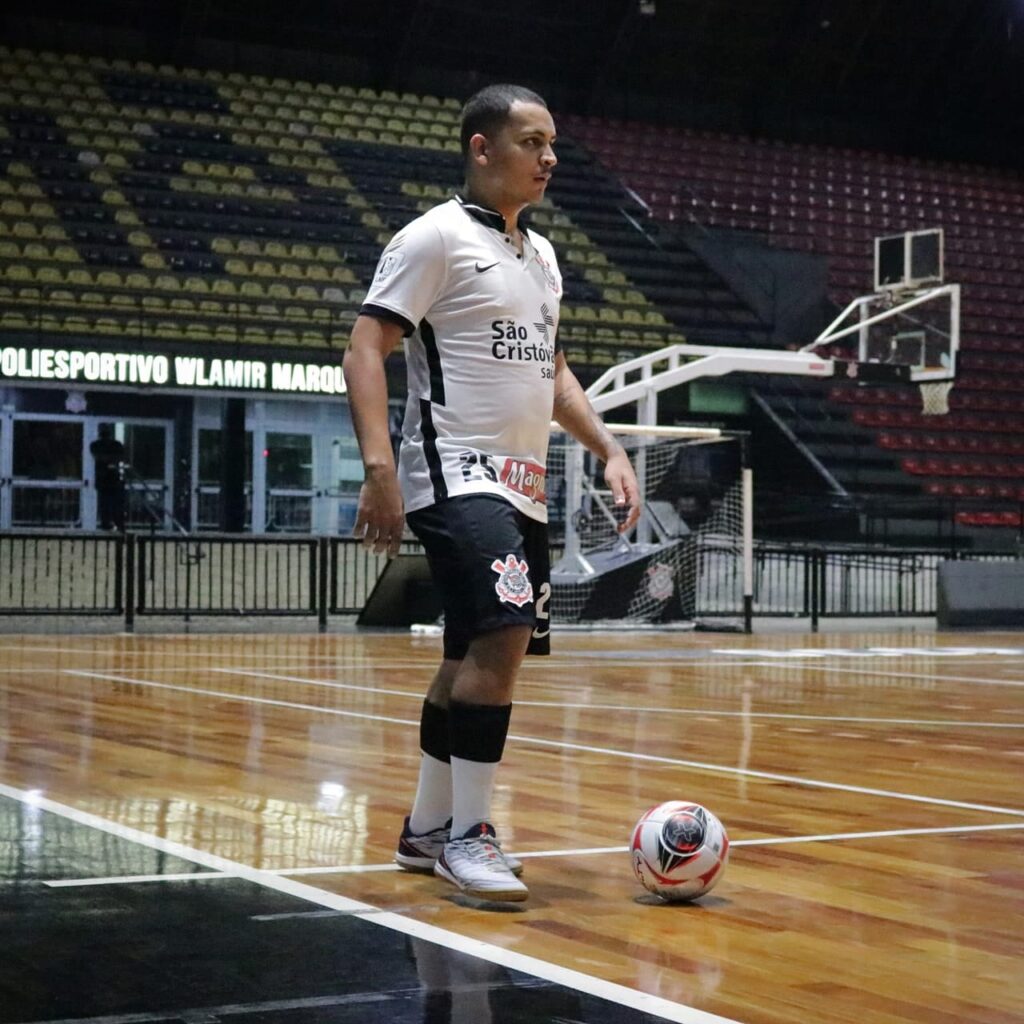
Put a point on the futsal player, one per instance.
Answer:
(475, 294)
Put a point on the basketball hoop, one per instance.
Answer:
(935, 396)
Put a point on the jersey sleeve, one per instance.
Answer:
(409, 276)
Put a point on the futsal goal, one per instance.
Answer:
(688, 559)
(691, 555)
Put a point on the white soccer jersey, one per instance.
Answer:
(480, 322)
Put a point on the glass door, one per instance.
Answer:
(206, 512)
(145, 471)
(46, 472)
(289, 482)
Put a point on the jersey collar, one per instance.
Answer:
(490, 218)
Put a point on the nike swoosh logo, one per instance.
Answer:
(480, 269)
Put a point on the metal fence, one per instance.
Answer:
(56, 573)
(64, 573)
(850, 582)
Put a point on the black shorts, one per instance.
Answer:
(490, 565)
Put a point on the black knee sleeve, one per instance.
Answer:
(477, 731)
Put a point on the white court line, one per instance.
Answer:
(563, 745)
(140, 651)
(418, 696)
(183, 876)
(803, 663)
(363, 869)
(598, 987)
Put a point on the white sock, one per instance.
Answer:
(472, 785)
(433, 804)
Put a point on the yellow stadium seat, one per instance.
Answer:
(78, 276)
(107, 325)
(13, 320)
(198, 332)
(255, 335)
(284, 336)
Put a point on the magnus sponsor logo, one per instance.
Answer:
(525, 478)
(511, 340)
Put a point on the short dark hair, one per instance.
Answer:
(486, 111)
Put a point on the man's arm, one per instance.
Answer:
(380, 517)
(574, 413)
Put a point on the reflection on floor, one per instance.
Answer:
(223, 949)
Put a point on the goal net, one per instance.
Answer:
(688, 558)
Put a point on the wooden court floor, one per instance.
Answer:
(871, 785)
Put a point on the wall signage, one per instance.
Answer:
(136, 369)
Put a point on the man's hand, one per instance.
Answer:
(621, 480)
(380, 518)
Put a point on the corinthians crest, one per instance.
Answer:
(513, 581)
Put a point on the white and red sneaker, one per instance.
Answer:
(420, 852)
(474, 862)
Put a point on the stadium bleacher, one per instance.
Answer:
(202, 207)
(235, 208)
(834, 202)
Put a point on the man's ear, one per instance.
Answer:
(478, 148)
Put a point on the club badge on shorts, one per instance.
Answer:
(513, 581)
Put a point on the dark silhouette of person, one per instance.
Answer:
(108, 455)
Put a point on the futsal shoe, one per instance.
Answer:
(420, 852)
(477, 866)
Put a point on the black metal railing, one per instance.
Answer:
(60, 573)
(138, 574)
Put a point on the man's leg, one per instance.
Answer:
(427, 828)
(478, 717)
(479, 709)
(432, 806)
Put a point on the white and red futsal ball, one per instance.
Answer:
(679, 850)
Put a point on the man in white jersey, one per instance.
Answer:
(475, 294)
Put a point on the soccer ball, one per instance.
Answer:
(679, 850)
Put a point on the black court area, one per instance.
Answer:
(211, 948)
